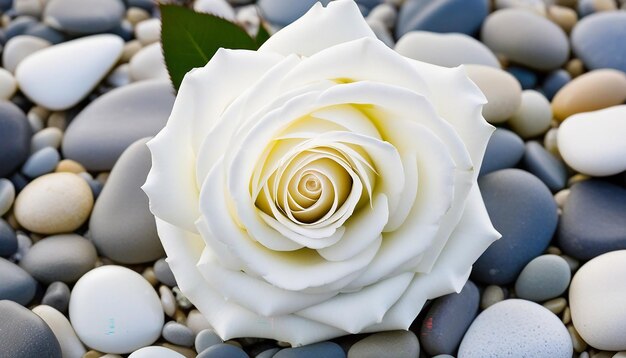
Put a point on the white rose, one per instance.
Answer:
(320, 186)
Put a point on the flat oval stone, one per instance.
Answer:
(545, 166)
(178, 334)
(205, 339)
(592, 220)
(60, 258)
(15, 134)
(516, 328)
(115, 310)
(84, 16)
(448, 50)
(464, 16)
(19, 47)
(322, 349)
(503, 92)
(41, 162)
(133, 239)
(533, 117)
(17, 285)
(593, 143)
(526, 38)
(598, 40)
(523, 210)
(504, 150)
(592, 91)
(71, 346)
(543, 278)
(8, 240)
(7, 196)
(54, 203)
(107, 126)
(596, 298)
(385, 344)
(24, 334)
(447, 320)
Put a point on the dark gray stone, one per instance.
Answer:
(504, 150)
(554, 82)
(19, 25)
(463, 16)
(24, 334)
(322, 349)
(16, 285)
(545, 166)
(46, 32)
(386, 344)
(15, 134)
(84, 16)
(57, 296)
(598, 40)
(222, 350)
(163, 273)
(8, 240)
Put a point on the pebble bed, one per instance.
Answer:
(83, 86)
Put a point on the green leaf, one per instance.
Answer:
(190, 39)
(262, 35)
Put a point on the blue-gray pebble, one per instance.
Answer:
(163, 273)
(205, 339)
(19, 25)
(554, 81)
(41, 162)
(24, 334)
(8, 240)
(322, 349)
(284, 12)
(526, 77)
(598, 40)
(178, 334)
(545, 166)
(504, 150)
(16, 285)
(386, 344)
(464, 16)
(84, 16)
(448, 319)
(523, 210)
(222, 350)
(15, 134)
(543, 278)
(592, 221)
(47, 33)
(57, 295)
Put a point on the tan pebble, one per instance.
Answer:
(11, 220)
(533, 117)
(594, 90)
(54, 203)
(69, 166)
(504, 62)
(566, 318)
(621, 354)
(196, 321)
(58, 120)
(553, 250)
(38, 115)
(130, 49)
(604, 5)
(563, 16)
(8, 84)
(577, 178)
(577, 341)
(603, 354)
(550, 142)
(283, 344)
(492, 295)
(561, 197)
(168, 302)
(179, 316)
(111, 355)
(556, 305)
(93, 354)
(575, 67)
(187, 352)
(136, 14)
(102, 177)
(503, 91)
(149, 275)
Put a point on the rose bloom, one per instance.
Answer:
(322, 185)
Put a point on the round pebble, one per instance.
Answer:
(596, 299)
(168, 301)
(69, 166)
(491, 295)
(47, 137)
(533, 117)
(503, 92)
(24, 334)
(554, 82)
(8, 85)
(148, 64)
(598, 40)
(155, 351)
(197, 322)
(563, 16)
(115, 310)
(543, 278)
(54, 203)
(19, 47)
(177, 333)
(7, 195)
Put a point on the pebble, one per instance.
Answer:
(82, 17)
(464, 16)
(448, 50)
(382, 344)
(50, 80)
(69, 166)
(205, 339)
(224, 350)
(534, 115)
(504, 150)
(107, 126)
(543, 278)
(41, 162)
(24, 334)
(544, 166)
(154, 352)
(179, 334)
(134, 238)
(492, 295)
(592, 220)
(28, 7)
(220, 8)
(596, 298)
(282, 13)
(15, 135)
(47, 137)
(553, 82)
(563, 16)
(516, 328)
(17, 285)
(598, 40)
(7, 196)
(523, 210)
(447, 320)
(8, 240)
(536, 6)
(197, 322)
(503, 92)
(149, 31)
(60, 258)
(592, 143)
(526, 38)
(71, 346)
(47, 33)
(148, 64)
(54, 203)
(168, 301)
(164, 273)
(385, 13)
(592, 91)
(114, 310)
(526, 77)
(8, 85)
(587, 7)
(556, 305)
(57, 296)
(323, 349)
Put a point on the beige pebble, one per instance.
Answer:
(149, 275)
(594, 90)
(556, 305)
(604, 5)
(196, 321)
(148, 31)
(135, 15)
(102, 177)
(8, 84)
(566, 318)
(620, 355)
(93, 354)
(561, 197)
(502, 90)
(577, 178)
(167, 300)
(234, 343)
(563, 16)
(603, 354)
(129, 50)
(577, 341)
(54, 203)
(553, 250)
(70, 166)
(180, 317)
(550, 142)
(572, 262)
(492, 295)
(575, 67)
(58, 120)
(111, 355)
(533, 116)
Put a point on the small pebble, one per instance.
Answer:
(504, 150)
(577, 341)
(15, 133)
(503, 92)
(41, 162)
(47, 137)
(205, 339)
(7, 195)
(556, 305)
(197, 322)
(492, 295)
(167, 300)
(8, 239)
(545, 166)
(179, 334)
(148, 31)
(543, 278)
(69, 166)
(533, 117)
(8, 85)
(148, 64)
(164, 273)
(563, 16)
(57, 296)
(19, 47)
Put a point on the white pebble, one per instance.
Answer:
(197, 322)
(155, 352)
(534, 115)
(148, 64)
(167, 300)
(63, 331)
(148, 31)
(120, 76)
(47, 137)
(7, 195)
(8, 85)
(20, 47)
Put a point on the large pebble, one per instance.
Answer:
(447, 320)
(386, 344)
(60, 76)
(57, 296)
(155, 351)
(322, 349)
(545, 277)
(84, 16)
(17, 285)
(516, 328)
(284, 12)
(60, 258)
(41, 162)
(148, 64)
(7, 196)
(593, 142)
(71, 346)
(504, 150)
(104, 129)
(15, 134)
(115, 310)
(523, 210)
(596, 298)
(503, 91)
(598, 40)
(589, 92)
(449, 50)
(8, 240)
(534, 115)
(464, 16)
(526, 38)
(24, 334)
(592, 222)
(545, 166)
(54, 203)
(133, 238)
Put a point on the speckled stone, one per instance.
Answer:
(24, 334)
